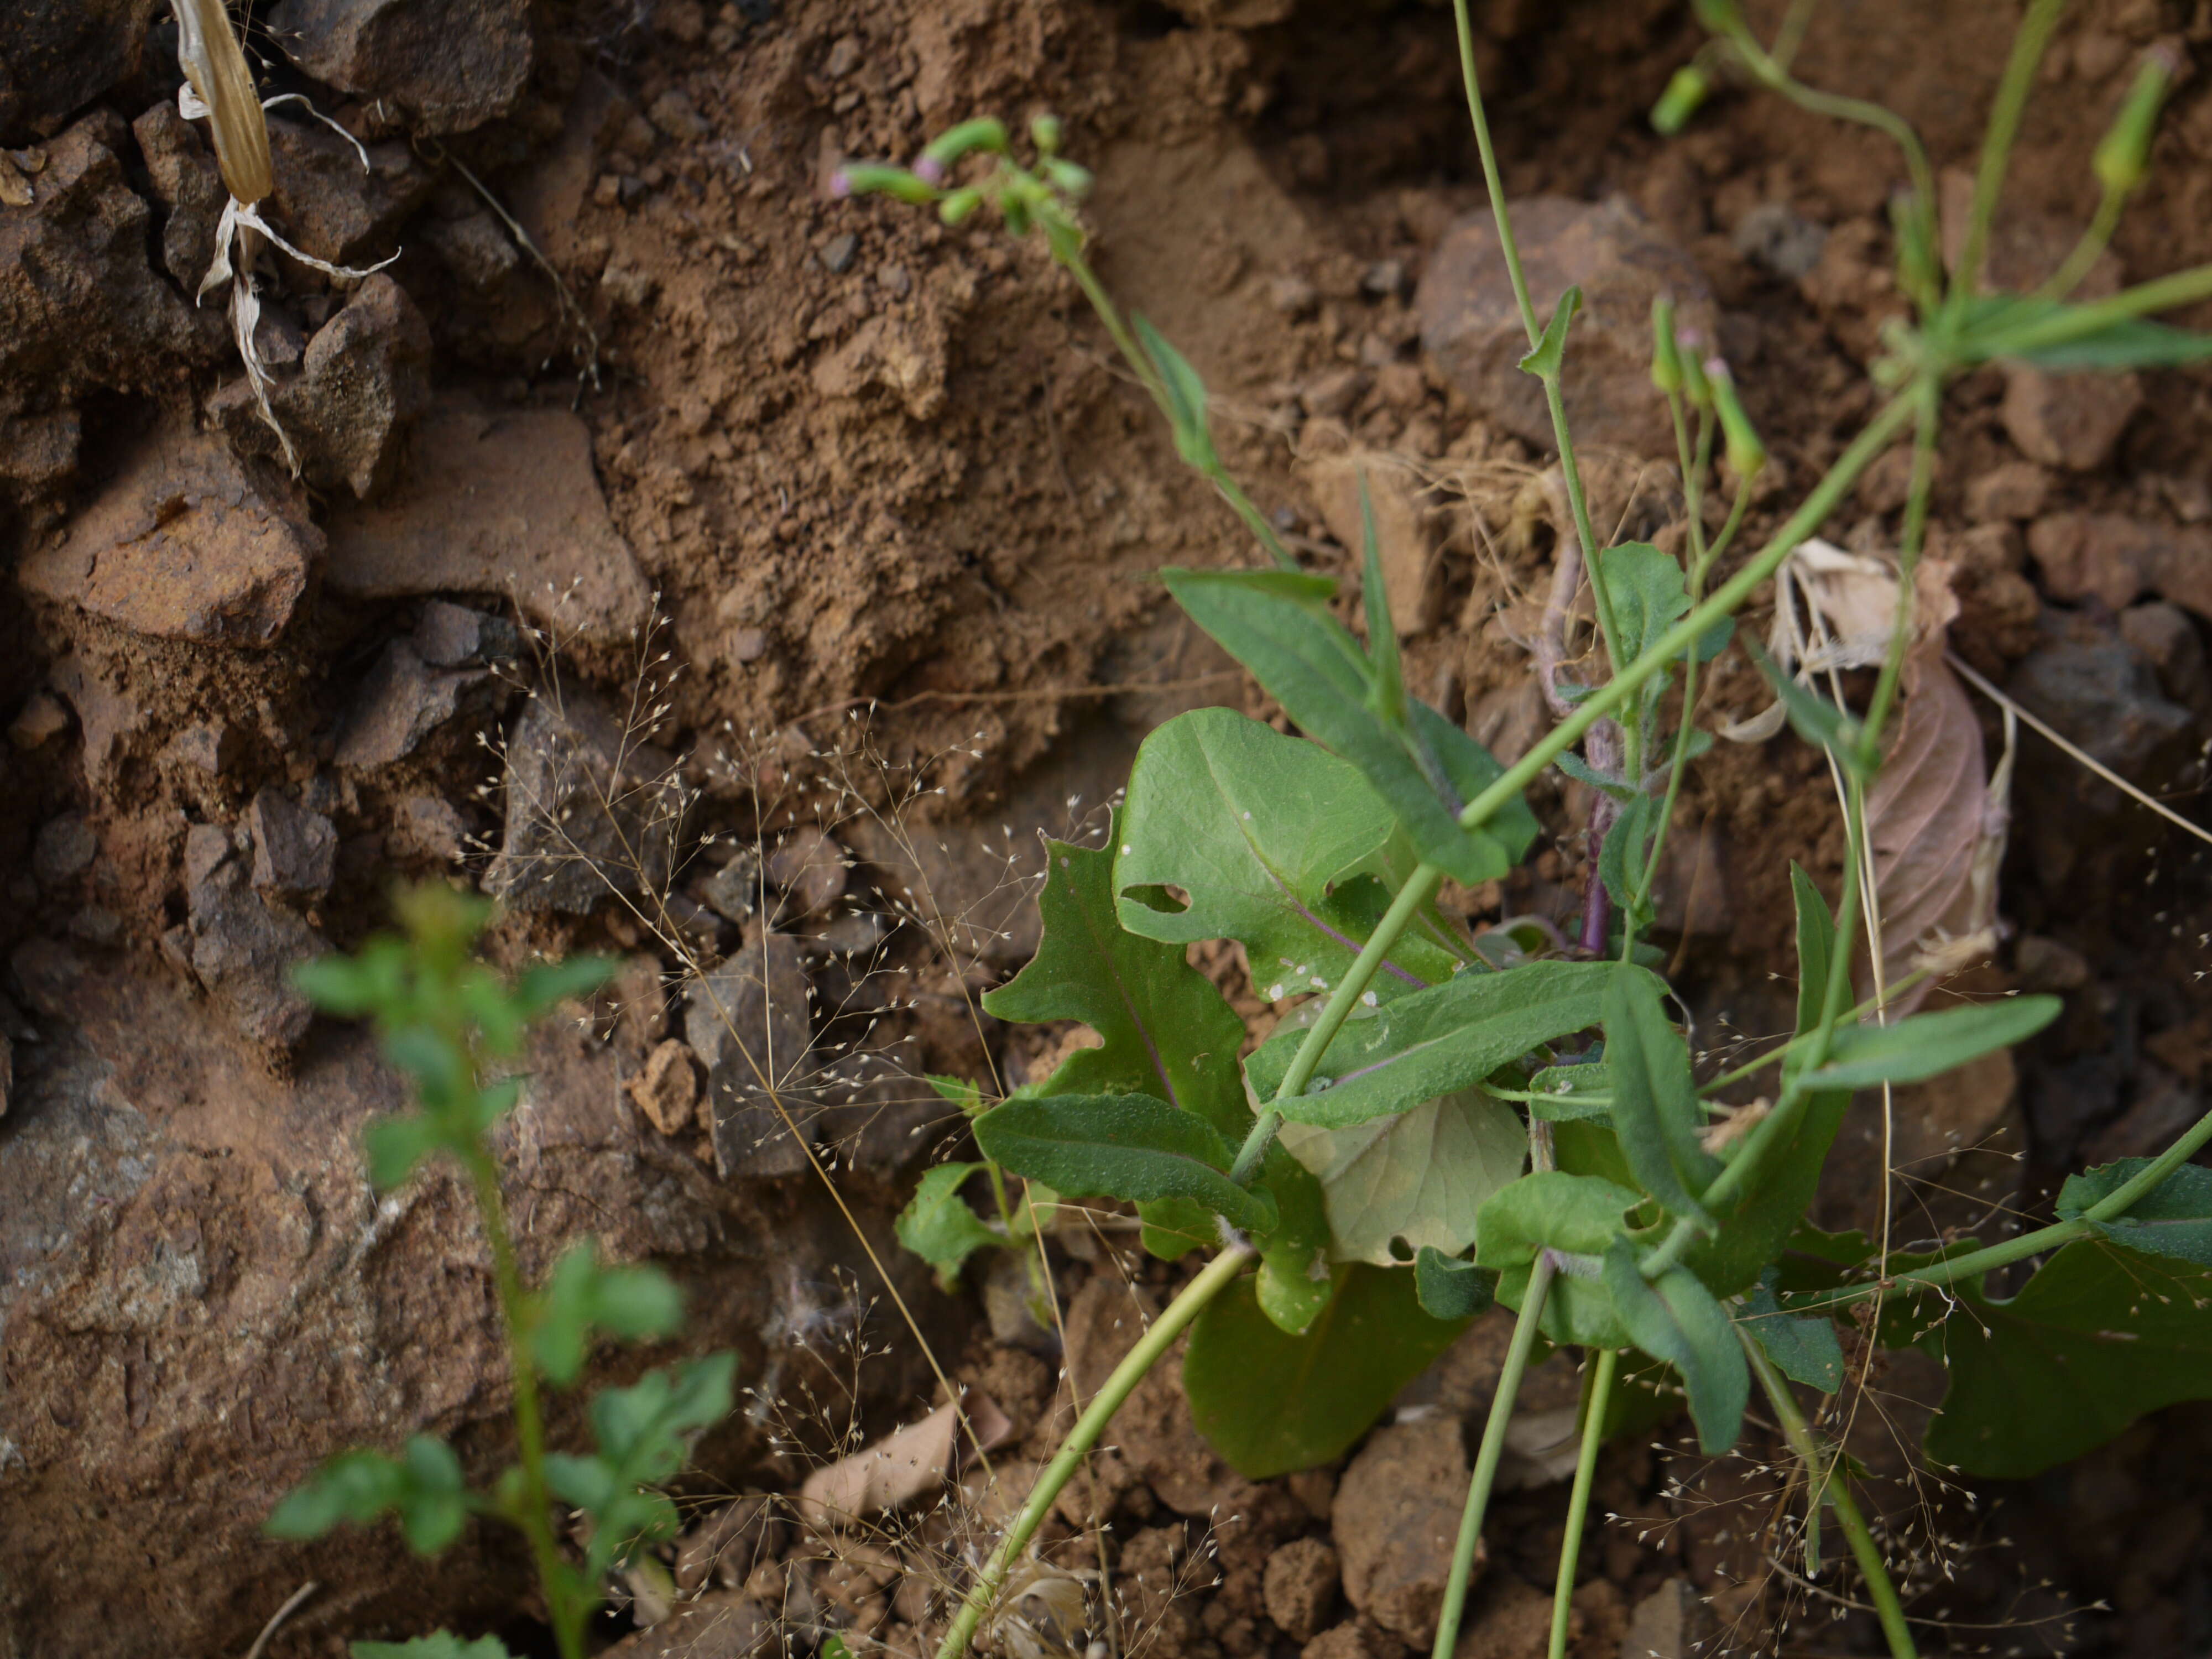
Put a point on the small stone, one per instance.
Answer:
(666, 1090)
(2170, 643)
(41, 717)
(330, 207)
(2017, 489)
(1471, 327)
(244, 950)
(1402, 385)
(837, 255)
(1671, 1623)
(64, 850)
(2105, 698)
(294, 850)
(607, 192)
(431, 828)
(2072, 420)
(590, 811)
(400, 703)
(211, 746)
(1412, 573)
(1292, 294)
(1395, 1518)
(1383, 280)
(441, 66)
(844, 57)
(894, 280)
(749, 645)
(450, 635)
(1332, 393)
(1299, 1586)
(1356, 1638)
(189, 186)
(1775, 235)
(2112, 559)
(182, 545)
(812, 868)
(678, 117)
(95, 924)
(208, 847)
(475, 248)
(734, 892)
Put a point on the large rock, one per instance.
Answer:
(190, 188)
(201, 1298)
(330, 206)
(363, 382)
(1396, 1517)
(591, 812)
(57, 55)
(1471, 326)
(244, 948)
(445, 66)
(497, 504)
(185, 544)
(81, 309)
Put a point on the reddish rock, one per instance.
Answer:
(812, 868)
(2016, 490)
(184, 544)
(57, 55)
(1471, 326)
(1395, 1518)
(496, 504)
(1412, 574)
(1299, 1586)
(2112, 559)
(445, 66)
(2073, 421)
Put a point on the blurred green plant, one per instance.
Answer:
(442, 1015)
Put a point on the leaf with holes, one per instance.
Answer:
(1413, 1179)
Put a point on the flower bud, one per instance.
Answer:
(1747, 452)
(1067, 178)
(874, 178)
(954, 143)
(1666, 358)
(959, 204)
(2125, 156)
(1685, 95)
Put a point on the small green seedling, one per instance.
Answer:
(442, 1015)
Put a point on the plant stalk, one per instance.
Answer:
(1151, 1347)
(1607, 1363)
(2028, 44)
(1420, 887)
(1829, 1485)
(1486, 1457)
(536, 1504)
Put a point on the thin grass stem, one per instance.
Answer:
(1597, 1397)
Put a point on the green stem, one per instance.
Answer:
(1827, 496)
(1832, 1486)
(1510, 250)
(2094, 240)
(1593, 1410)
(1487, 1456)
(2119, 1201)
(1419, 888)
(1151, 1347)
(2028, 43)
(536, 1504)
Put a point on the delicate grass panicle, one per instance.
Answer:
(1582, 1171)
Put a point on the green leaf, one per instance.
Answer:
(1165, 1033)
(1413, 1179)
(1127, 1146)
(1655, 1101)
(2175, 1218)
(1583, 772)
(439, 1644)
(1816, 948)
(1271, 1403)
(1626, 852)
(544, 986)
(1756, 1226)
(1435, 1041)
(1271, 837)
(581, 1296)
(957, 1090)
(1649, 593)
(642, 1431)
(1165, 1030)
(1551, 349)
(1311, 664)
(1803, 1348)
(1449, 1288)
(1579, 1216)
(1186, 397)
(2097, 1338)
(1814, 719)
(422, 1486)
(2054, 335)
(941, 1227)
(1294, 1283)
(1570, 1094)
(1928, 1045)
(1678, 1320)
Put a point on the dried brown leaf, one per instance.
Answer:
(906, 1464)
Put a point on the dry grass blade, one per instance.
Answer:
(208, 53)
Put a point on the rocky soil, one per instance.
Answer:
(736, 578)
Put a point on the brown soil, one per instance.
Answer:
(893, 509)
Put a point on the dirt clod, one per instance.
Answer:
(2071, 421)
(1396, 1517)
(1300, 1587)
(294, 848)
(666, 1090)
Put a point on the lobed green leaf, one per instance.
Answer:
(939, 1226)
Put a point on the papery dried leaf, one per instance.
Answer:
(1928, 811)
(216, 68)
(906, 1464)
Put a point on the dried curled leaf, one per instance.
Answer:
(209, 53)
